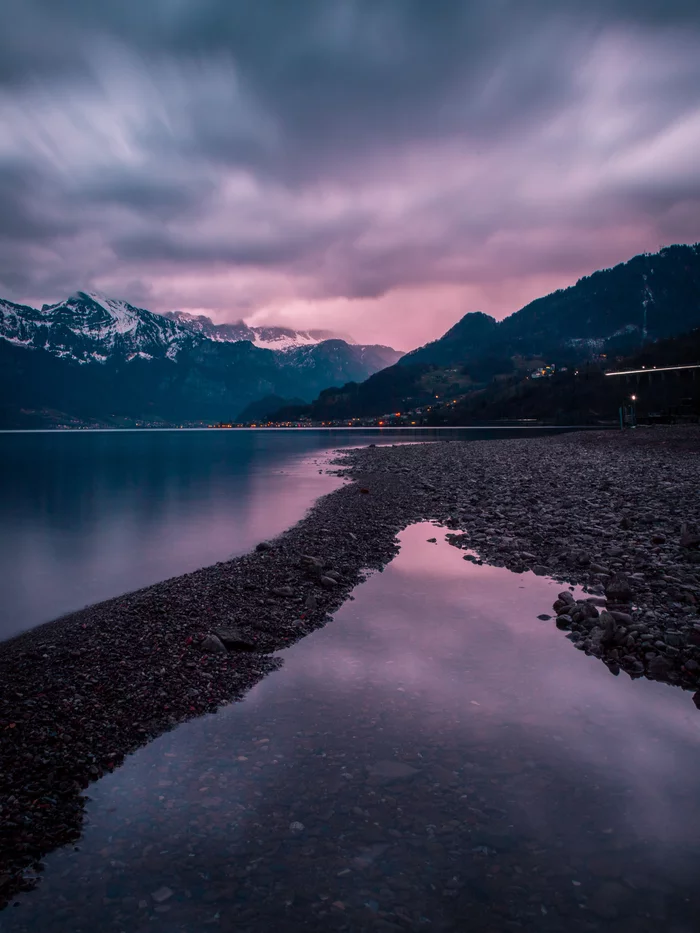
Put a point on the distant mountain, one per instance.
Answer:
(268, 338)
(472, 334)
(97, 360)
(613, 312)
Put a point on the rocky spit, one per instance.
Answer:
(616, 513)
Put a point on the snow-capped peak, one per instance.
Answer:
(89, 327)
(124, 316)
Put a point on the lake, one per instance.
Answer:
(87, 515)
(435, 759)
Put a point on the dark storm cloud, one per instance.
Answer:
(148, 194)
(19, 218)
(291, 245)
(339, 148)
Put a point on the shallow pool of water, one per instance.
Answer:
(435, 759)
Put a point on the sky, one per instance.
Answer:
(377, 167)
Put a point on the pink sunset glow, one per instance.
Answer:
(378, 171)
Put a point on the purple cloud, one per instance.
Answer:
(380, 168)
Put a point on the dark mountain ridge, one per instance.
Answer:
(586, 395)
(613, 312)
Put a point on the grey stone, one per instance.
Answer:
(212, 644)
(314, 563)
(622, 617)
(235, 638)
(161, 895)
(619, 589)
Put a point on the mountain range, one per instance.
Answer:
(610, 314)
(96, 360)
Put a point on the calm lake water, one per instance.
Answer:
(436, 758)
(87, 515)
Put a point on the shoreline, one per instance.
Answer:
(600, 509)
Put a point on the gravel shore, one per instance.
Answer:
(616, 513)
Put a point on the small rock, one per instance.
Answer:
(235, 639)
(212, 644)
(263, 546)
(162, 895)
(609, 627)
(659, 666)
(296, 827)
(689, 539)
(618, 589)
(622, 617)
(328, 582)
(312, 563)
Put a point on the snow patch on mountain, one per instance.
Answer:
(283, 342)
(122, 316)
(264, 337)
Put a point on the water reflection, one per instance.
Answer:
(436, 758)
(89, 515)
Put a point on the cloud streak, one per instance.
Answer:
(376, 167)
